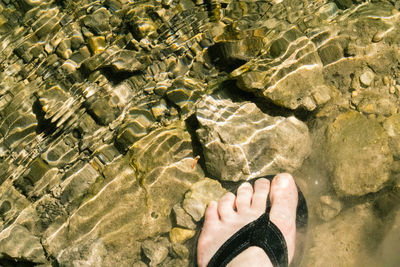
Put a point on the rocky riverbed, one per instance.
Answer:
(120, 120)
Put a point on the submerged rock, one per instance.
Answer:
(367, 78)
(392, 128)
(180, 235)
(328, 207)
(155, 250)
(373, 103)
(200, 195)
(289, 75)
(241, 142)
(355, 142)
(182, 218)
(19, 244)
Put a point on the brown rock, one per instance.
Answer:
(358, 153)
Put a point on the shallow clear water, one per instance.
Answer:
(114, 113)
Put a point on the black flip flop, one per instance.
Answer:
(266, 235)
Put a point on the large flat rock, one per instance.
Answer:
(241, 142)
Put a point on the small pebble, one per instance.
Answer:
(378, 37)
(97, 44)
(392, 89)
(367, 77)
(180, 235)
(328, 208)
(386, 80)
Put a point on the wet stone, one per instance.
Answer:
(180, 250)
(182, 218)
(43, 186)
(75, 186)
(37, 169)
(185, 93)
(354, 142)
(18, 243)
(180, 235)
(159, 110)
(156, 250)
(12, 203)
(328, 208)
(97, 44)
(392, 128)
(98, 21)
(63, 50)
(200, 195)
(18, 127)
(373, 103)
(102, 111)
(137, 124)
(273, 79)
(126, 60)
(175, 262)
(47, 24)
(367, 78)
(106, 153)
(170, 174)
(378, 37)
(241, 142)
(330, 52)
(233, 53)
(33, 3)
(327, 10)
(387, 204)
(139, 264)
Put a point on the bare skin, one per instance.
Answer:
(232, 212)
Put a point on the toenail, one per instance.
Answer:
(283, 179)
(263, 181)
(245, 184)
(212, 203)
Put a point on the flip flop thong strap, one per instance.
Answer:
(261, 233)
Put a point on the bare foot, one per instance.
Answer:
(232, 212)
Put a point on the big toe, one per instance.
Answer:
(283, 208)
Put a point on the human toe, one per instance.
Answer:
(261, 190)
(244, 196)
(283, 195)
(211, 214)
(284, 192)
(226, 206)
